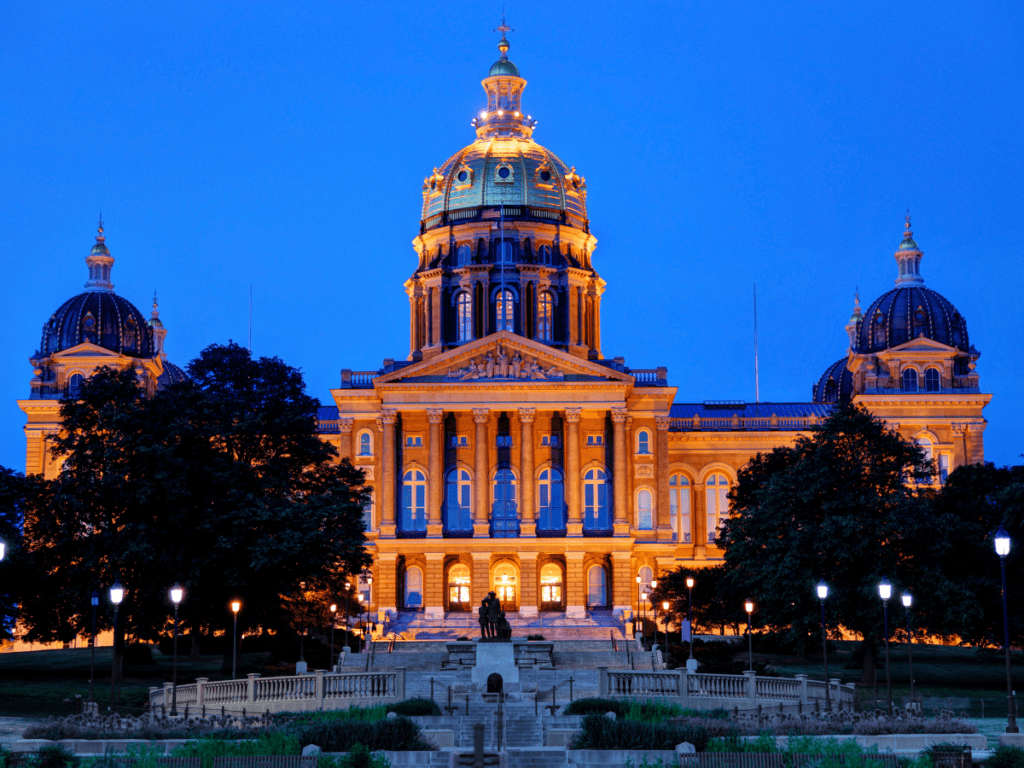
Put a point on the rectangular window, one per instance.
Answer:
(503, 441)
(549, 440)
(458, 441)
(943, 467)
(414, 441)
(595, 439)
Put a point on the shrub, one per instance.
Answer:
(421, 707)
(138, 654)
(55, 756)
(535, 637)
(358, 757)
(599, 732)
(1006, 757)
(462, 639)
(593, 706)
(267, 744)
(397, 735)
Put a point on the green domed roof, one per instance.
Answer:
(503, 67)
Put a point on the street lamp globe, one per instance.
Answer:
(334, 607)
(689, 582)
(748, 606)
(95, 599)
(236, 606)
(116, 593)
(3, 549)
(822, 590)
(654, 584)
(177, 593)
(907, 599)
(664, 605)
(1002, 542)
(884, 589)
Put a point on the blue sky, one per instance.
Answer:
(283, 146)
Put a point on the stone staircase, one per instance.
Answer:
(595, 625)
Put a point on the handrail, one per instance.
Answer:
(450, 709)
(554, 694)
(370, 654)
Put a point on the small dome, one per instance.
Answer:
(172, 375)
(911, 312)
(835, 384)
(503, 67)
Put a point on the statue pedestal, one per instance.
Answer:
(495, 657)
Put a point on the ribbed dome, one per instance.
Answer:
(503, 67)
(835, 384)
(98, 317)
(172, 375)
(911, 312)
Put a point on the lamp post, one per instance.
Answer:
(1002, 541)
(885, 592)
(654, 607)
(908, 601)
(643, 618)
(348, 599)
(748, 606)
(638, 604)
(116, 596)
(822, 594)
(236, 606)
(176, 594)
(363, 638)
(92, 652)
(664, 613)
(689, 610)
(334, 610)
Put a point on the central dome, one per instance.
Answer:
(504, 166)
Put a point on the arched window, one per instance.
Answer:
(365, 444)
(505, 252)
(932, 380)
(364, 586)
(504, 310)
(506, 581)
(550, 587)
(413, 587)
(545, 316)
(718, 504)
(544, 254)
(597, 587)
(414, 502)
(464, 316)
(644, 505)
(463, 255)
(504, 516)
(910, 380)
(595, 501)
(458, 588)
(368, 514)
(643, 442)
(458, 505)
(75, 385)
(646, 577)
(551, 501)
(679, 508)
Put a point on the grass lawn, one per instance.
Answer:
(41, 683)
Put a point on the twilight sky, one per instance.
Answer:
(283, 146)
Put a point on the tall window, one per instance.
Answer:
(75, 385)
(545, 316)
(365, 444)
(646, 577)
(644, 505)
(550, 587)
(458, 505)
(505, 252)
(505, 583)
(463, 255)
(504, 516)
(932, 380)
(458, 588)
(718, 504)
(943, 467)
(364, 585)
(414, 502)
(878, 330)
(679, 508)
(368, 514)
(910, 380)
(929, 455)
(413, 587)
(551, 506)
(544, 254)
(464, 316)
(597, 587)
(595, 501)
(643, 442)
(504, 310)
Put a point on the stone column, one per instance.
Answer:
(622, 585)
(435, 478)
(434, 586)
(529, 599)
(345, 441)
(619, 482)
(481, 580)
(527, 495)
(699, 521)
(575, 586)
(574, 525)
(597, 320)
(387, 474)
(481, 481)
(663, 526)
(435, 297)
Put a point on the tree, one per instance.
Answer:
(220, 483)
(844, 505)
(15, 488)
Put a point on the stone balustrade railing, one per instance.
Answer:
(725, 689)
(255, 694)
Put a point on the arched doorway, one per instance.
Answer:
(506, 586)
(458, 588)
(597, 587)
(551, 587)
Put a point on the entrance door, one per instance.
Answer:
(551, 587)
(504, 515)
(506, 581)
(458, 588)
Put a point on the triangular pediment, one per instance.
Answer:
(503, 357)
(86, 349)
(920, 344)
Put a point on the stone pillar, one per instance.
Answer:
(574, 526)
(435, 476)
(481, 481)
(481, 579)
(664, 521)
(622, 585)
(597, 321)
(386, 583)
(435, 297)
(387, 474)
(434, 586)
(345, 441)
(619, 482)
(575, 586)
(529, 591)
(412, 322)
(527, 495)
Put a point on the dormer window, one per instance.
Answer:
(545, 175)
(504, 174)
(910, 380)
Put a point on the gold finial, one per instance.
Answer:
(503, 28)
(156, 308)
(907, 232)
(99, 227)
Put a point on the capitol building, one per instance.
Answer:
(507, 449)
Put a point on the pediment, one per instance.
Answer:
(86, 349)
(920, 344)
(506, 358)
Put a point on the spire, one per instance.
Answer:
(503, 43)
(908, 257)
(159, 332)
(504, 86)
(853, 327)
(99, 262)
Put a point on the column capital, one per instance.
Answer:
(572, 415)
(481, 415)
(345, 423)
(662, 423)
(434, 415)
(388, 416)
(526, 415)
(619, 415)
